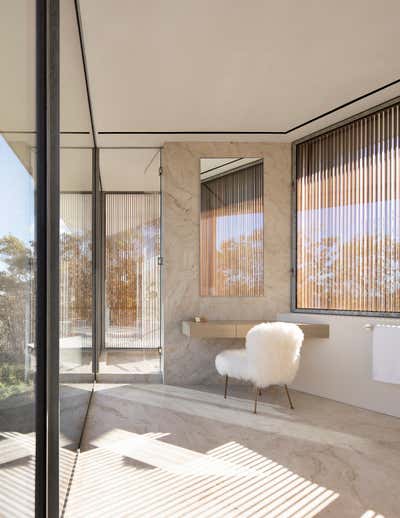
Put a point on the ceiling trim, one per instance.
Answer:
(84, 63)
(348, 120)
(283, 132)
(360, 98)
(31, 132)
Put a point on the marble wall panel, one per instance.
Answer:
(188, 360)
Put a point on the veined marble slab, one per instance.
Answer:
(240, 328)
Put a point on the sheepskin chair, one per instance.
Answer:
(271, 357)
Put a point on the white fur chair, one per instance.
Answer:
(271, 357)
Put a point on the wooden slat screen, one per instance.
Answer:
(348, 217)
(231, 234)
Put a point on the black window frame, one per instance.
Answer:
(293, 271)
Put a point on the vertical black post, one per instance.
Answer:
(103, 265)
(97, 262)
(47, 258)
(161, 275)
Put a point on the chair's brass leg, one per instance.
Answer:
(289, 398)
(226, 386)
(255, 401)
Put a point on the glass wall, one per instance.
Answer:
(130, 338)
(132, 277)
(75, 284)
(76, 315)
(75, 248)
(17, 258)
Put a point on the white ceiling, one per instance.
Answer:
(130, 169)
(17, 63)
(75, 170)
(203, 65)
(230, 65)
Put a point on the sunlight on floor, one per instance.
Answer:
(140, 475)
(371, 514)
(17, 474)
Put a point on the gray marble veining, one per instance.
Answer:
(188, 360)
(153, 450)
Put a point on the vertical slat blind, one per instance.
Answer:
(132, 273)
(231, 234)
(76, 268)
(348, 217)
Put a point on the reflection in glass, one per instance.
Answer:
(75, 292)
(17, 341)
(75, 282)
(231, 227)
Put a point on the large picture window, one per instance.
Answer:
(232, 228)
(348, 217)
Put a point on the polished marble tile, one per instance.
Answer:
(157, 450)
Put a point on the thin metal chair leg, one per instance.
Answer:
(289, 398)
(255, 401)
(226, 386)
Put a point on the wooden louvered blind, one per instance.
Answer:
(231, 234)
(348, 217)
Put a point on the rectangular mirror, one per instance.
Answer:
(232, 227)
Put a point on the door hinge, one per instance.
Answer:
(160, 171)
(160, 261)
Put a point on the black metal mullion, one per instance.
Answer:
(96, 262)
(161, 276)
(47, 258)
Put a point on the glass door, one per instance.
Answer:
(132, 280)
(131, 265)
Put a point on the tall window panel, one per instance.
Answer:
(75, 282)
(19, 145)
(348, 217)
(132, 272)
(17, 327)
(231, 234)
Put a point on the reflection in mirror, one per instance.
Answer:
(232, 227)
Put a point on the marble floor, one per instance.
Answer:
(127, 362)
(18, 444)
(119, 362)
(164, 451)
(122, 366)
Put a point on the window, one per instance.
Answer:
(231, 229)
(75, 281)
(132, 270)
(348, 217)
